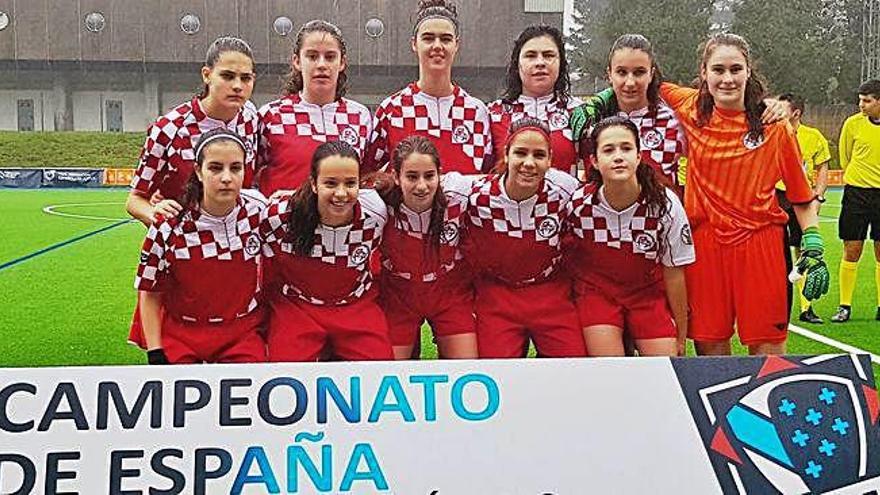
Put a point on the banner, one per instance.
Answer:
(505, 427)
(71, 177)
(118, 176)
(23, 178)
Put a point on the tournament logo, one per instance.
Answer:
(461, 134)
(686, 237)
(651, 139)
(252, 245)
(548, 228)
(645, 242)
(752, 141)
(349, 135)
(787, 425)
(359, 255)
(558, 120)
(449, 233)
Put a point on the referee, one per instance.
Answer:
(860, 160)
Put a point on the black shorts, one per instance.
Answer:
(859, 210)
(793, 228)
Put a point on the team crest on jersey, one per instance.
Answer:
(449, 233)
(349, 136)
(751, 141)
(645, 242)
(686, 237)
(359, 255)
(252, 245)
(651, 139)
(548, 228)
(461, 134)
(558, 120)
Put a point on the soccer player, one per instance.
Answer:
(631, 241)
(634, 93)
(816, 155)
(167, 158)
(860, 160)
(313, 110)
(318, 242)
(422, 274)
(513, 243)
(734, 163)
(538, 86)
(198, 272)
(434, 107)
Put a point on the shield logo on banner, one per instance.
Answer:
(786, 425)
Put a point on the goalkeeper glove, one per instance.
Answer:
(812, 265)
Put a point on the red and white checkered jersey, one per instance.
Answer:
(548, 109)
(337, 271)
(168, 157)
(662, 139)
(205, 266)
(458, 125)
(405, 245)
(292, 128)
(622, 251)
(517, 242)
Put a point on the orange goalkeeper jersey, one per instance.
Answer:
(730, 178)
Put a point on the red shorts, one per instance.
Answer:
(236, 341)
(447, 304)
(299, 331)
(743, 283)
(507, 317)
(642, 316)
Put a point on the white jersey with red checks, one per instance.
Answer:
(662, 139)
(168, 156)
(517, 242)
(621, 252)
(458, 125)
(291, 129)
(548, 109)
(404, 246)
(205, 266)
(337, 270)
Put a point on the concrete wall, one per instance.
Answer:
(9, 109)
(89, 110)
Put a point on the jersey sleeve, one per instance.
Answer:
(273, 224)
(566, 182)
(153, 161)
(675, 96)
(372, 203)
(823, 154)
(483, 127)
(499, 123)
(678, 241)
(797, 188)
(845, 144)
(378, 154)
(153, 267)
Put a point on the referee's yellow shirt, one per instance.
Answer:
(814, 150)
(860, 151)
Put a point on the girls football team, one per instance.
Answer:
(375, 226)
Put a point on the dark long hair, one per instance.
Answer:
(436, 8)
(293, 81)
(194, 190)
(639, 42)
(220, 46)
(653, 192)
(561, 88)
(755, 87)
(304, 216)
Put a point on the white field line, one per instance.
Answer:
(51, 211)
(831, 342)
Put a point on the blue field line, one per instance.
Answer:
(53, 247)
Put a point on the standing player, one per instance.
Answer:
(816, 155)
(312, 111)
(538, 86)
(634, 93)
(321, 296)
(860, 160)
(631, 243)
(513, 244)
(734, 163)
(423, 277)
(434, 107)
(198, 272)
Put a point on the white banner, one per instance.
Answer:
(531, 427)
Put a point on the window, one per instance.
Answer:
(25, 115)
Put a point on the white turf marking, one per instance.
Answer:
(831, 342)
(51, 211)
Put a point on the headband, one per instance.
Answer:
(435, 16)
(527, 127)
(231, 137)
